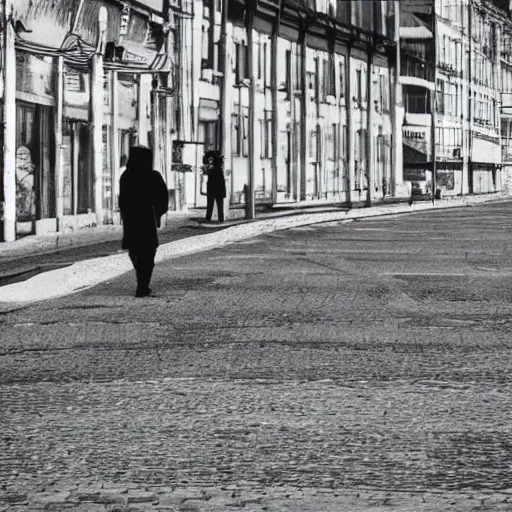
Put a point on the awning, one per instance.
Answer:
(208, 110)
(412, 27)
(77, 54)
(485, 151)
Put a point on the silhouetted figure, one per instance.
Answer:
(216, 186)
(143, 199)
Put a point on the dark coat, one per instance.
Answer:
(216, 185)
(143, 199)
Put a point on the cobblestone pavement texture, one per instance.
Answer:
(342, 367)
(14, 266)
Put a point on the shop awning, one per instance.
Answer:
(412, 27)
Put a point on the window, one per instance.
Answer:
(74, 81)
(241, 62)
(377, 17)
(417, 100)
(343, 11)
(245, 131)
(288, 71)
(317, 79)
(261, 62)
(341, 75)
(359, 86)
(209, 131)
(457, 106)
(440, 97)
(332, 142)
(240, 133)
(205, 47)
(298, 70)
(266, 134)
(384, 93)
(327, 75)
(235, 134)
(357, 13)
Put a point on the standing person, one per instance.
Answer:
(143, 199)
(216, 186)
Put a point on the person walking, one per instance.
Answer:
(216, 185)
(143, 199)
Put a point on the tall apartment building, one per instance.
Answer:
(452, 79)
(505, 56)
(300, 117)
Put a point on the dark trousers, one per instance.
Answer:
(143, 262)
(210, 199)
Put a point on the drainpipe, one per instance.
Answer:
(9, 106)
(350, 127)
(97, 98)
(369, 125)
(59, 178)
(250, 211)
(275, 113)
(225, 116)
(301, 193)
(433, 103)
(114, 157)
(470, 97)
(397, 149)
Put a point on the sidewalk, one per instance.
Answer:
(183, 234)
(314, 213)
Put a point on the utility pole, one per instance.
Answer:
(114, 160)
(301, 192)
(470, 98)
(59, 178)
(9, 157)
(433, 102)
(224, 142)
(155, 123)
(275, 115)
(252, 114)
(369, 124)
(97, 108)
(397, 169)
(169, 121)
(350, 126)
(144, 86)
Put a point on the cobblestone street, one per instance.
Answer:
(354, 367)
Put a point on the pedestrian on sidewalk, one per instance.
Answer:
(213, 162)
(143, 199)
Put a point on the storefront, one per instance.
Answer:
(449, 176)
(485, 165)
(484, 178)
(35, 144)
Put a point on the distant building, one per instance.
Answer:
(310, 129)
(451, 56)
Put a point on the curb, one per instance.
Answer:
(88, 273)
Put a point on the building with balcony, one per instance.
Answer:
(451, 84)
(505, 59)
(310, 100)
